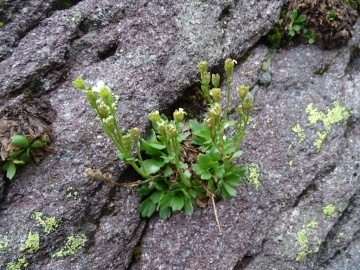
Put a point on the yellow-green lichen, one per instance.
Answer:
(303, 241)
(4, 242)
(32, 243)
(253, 175)
(289, 147)
(49, 224)
(312, 224)
(22, 262)
(299, 131)
(71, 192)
(333, 116)
(329, 210)
(73, 244)
(341, 235)
(291, 163)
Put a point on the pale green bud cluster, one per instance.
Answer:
(216, 94)
(154, 116)
(179, 115)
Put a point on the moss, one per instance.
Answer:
(73, 244)
(353, 3)
(4, 242)
(333, 116)
(312, 224)
(322, 70)
(49, 224)
(329, 210)
(274, 37)
(22, 262)
(253, 173)
(32, 243)
(303, 241)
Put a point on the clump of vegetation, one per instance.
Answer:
(189, 162)
(23, 149)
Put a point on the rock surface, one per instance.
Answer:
(147, 53)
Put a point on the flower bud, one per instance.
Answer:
(215, 80)
(79, 83)
(171, 131)
(91, 97)
(242, 91)
(205, 78)
(103, 112)
(161, 127)
(215, 110)
(209, 122)
(202, 67)
(134, 134)
(216, 94)
(240, 110)
(229, 66)
(109, 123)
(154, 116)
(248, 104)
(179, 115)
(126, 142)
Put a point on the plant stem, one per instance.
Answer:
(228, 86)
(177, 163)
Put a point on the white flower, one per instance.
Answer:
(99, 85)
(235, 62)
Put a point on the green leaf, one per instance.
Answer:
(192, 193)
(301, 18)
(236, 155)
(25, 156)
(214, 154)
(311, 40)
(147, 208)
(188, 207)
(168, 171)
(233, 179)
(177, 202)
(292, 32)
(145, 190)
(165, 200)
(176, 185)
(296, 27)
(155, 197)
(10, 169)
(203, 161)
(196, 126)
(294, 15)
(165, 212)
(19, 141)
(38, 144)
(16, 153)
(18, 161)
(157, 146)
(229, 124)
(227, 191)
(187, 174)
(153, 165)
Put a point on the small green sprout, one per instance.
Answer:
(296, 23)
(331, 15)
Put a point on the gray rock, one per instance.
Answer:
(147, 53)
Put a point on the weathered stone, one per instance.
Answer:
(147, 53)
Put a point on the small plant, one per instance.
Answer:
(331, 15)
(296, 24)
(189, 162)
(24, 147)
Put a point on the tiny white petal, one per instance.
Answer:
(235, 61)
(100, 84)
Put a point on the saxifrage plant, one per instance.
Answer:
(23, 148)
(188, 162)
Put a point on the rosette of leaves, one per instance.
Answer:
(23, 149)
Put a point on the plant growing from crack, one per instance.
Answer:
(296, 26)
(23, 148)
(189, 162)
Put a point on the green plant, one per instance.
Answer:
(189, 162)
(331, 15)
(296, 26)
(24, 147)
(296, 23)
